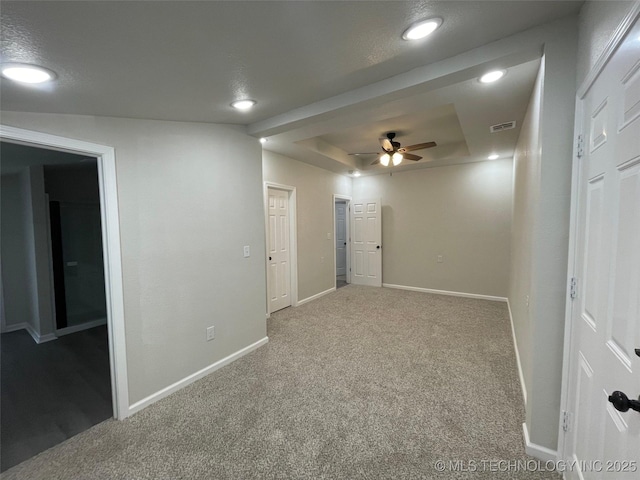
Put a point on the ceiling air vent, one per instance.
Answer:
(502, 126)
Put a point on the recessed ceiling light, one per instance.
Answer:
(493, 156)
(25, 73)
(422, 29)
(492, 76)
(356, 174)
(263, 140)
(243, 104)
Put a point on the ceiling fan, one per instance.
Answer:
(395, 153)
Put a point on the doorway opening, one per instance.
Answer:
(53, 278)
(341, 235)
(67, 366)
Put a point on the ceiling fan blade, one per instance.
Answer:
(386, 144)
(365, 153)
(417, 146)
(411, 156)
(375, 162)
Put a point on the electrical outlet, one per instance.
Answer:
(211, 334)
(329, 236)
(440, 259)
(526, 300)
(247, 251)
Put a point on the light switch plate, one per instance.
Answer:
(247, 251)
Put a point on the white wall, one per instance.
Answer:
(462, 212)
(190, 197)
(541, 234)
(315, 188)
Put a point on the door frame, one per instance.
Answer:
(616, 39)
(112, 255)
(347, 199)
(293, 240)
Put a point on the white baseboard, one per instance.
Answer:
(15, 327)
(82, 326)
(31, 331)
(165, 392)
(316, 296)
(537, 451)
(515, 346)
(445, 292)
(40, 338)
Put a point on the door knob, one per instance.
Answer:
(269, 258)
(378, 246)
(638, 351)
(622, 403)
(345, 243)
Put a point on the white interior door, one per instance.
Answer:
(279, 260)
(341, 238)
(366, 244)
(606, 311)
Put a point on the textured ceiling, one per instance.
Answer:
(188, 61)
(330, 77)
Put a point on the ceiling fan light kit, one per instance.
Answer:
(394, 153)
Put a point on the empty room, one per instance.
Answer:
(426, 265)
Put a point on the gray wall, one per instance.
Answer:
(25, 252)
(190, 197)
(13, 235)
(39, 254)
(526, 177)
(314, 191)
(541, 235)
(598, 21)
(462, 212)
(76, 187)
(77, 183)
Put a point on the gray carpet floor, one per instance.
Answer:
(365, 383)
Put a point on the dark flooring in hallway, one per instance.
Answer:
(52, 391)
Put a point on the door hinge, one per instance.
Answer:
(566, 421)
(580, 146)
(573, 288)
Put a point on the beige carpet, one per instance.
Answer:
(364, 383)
